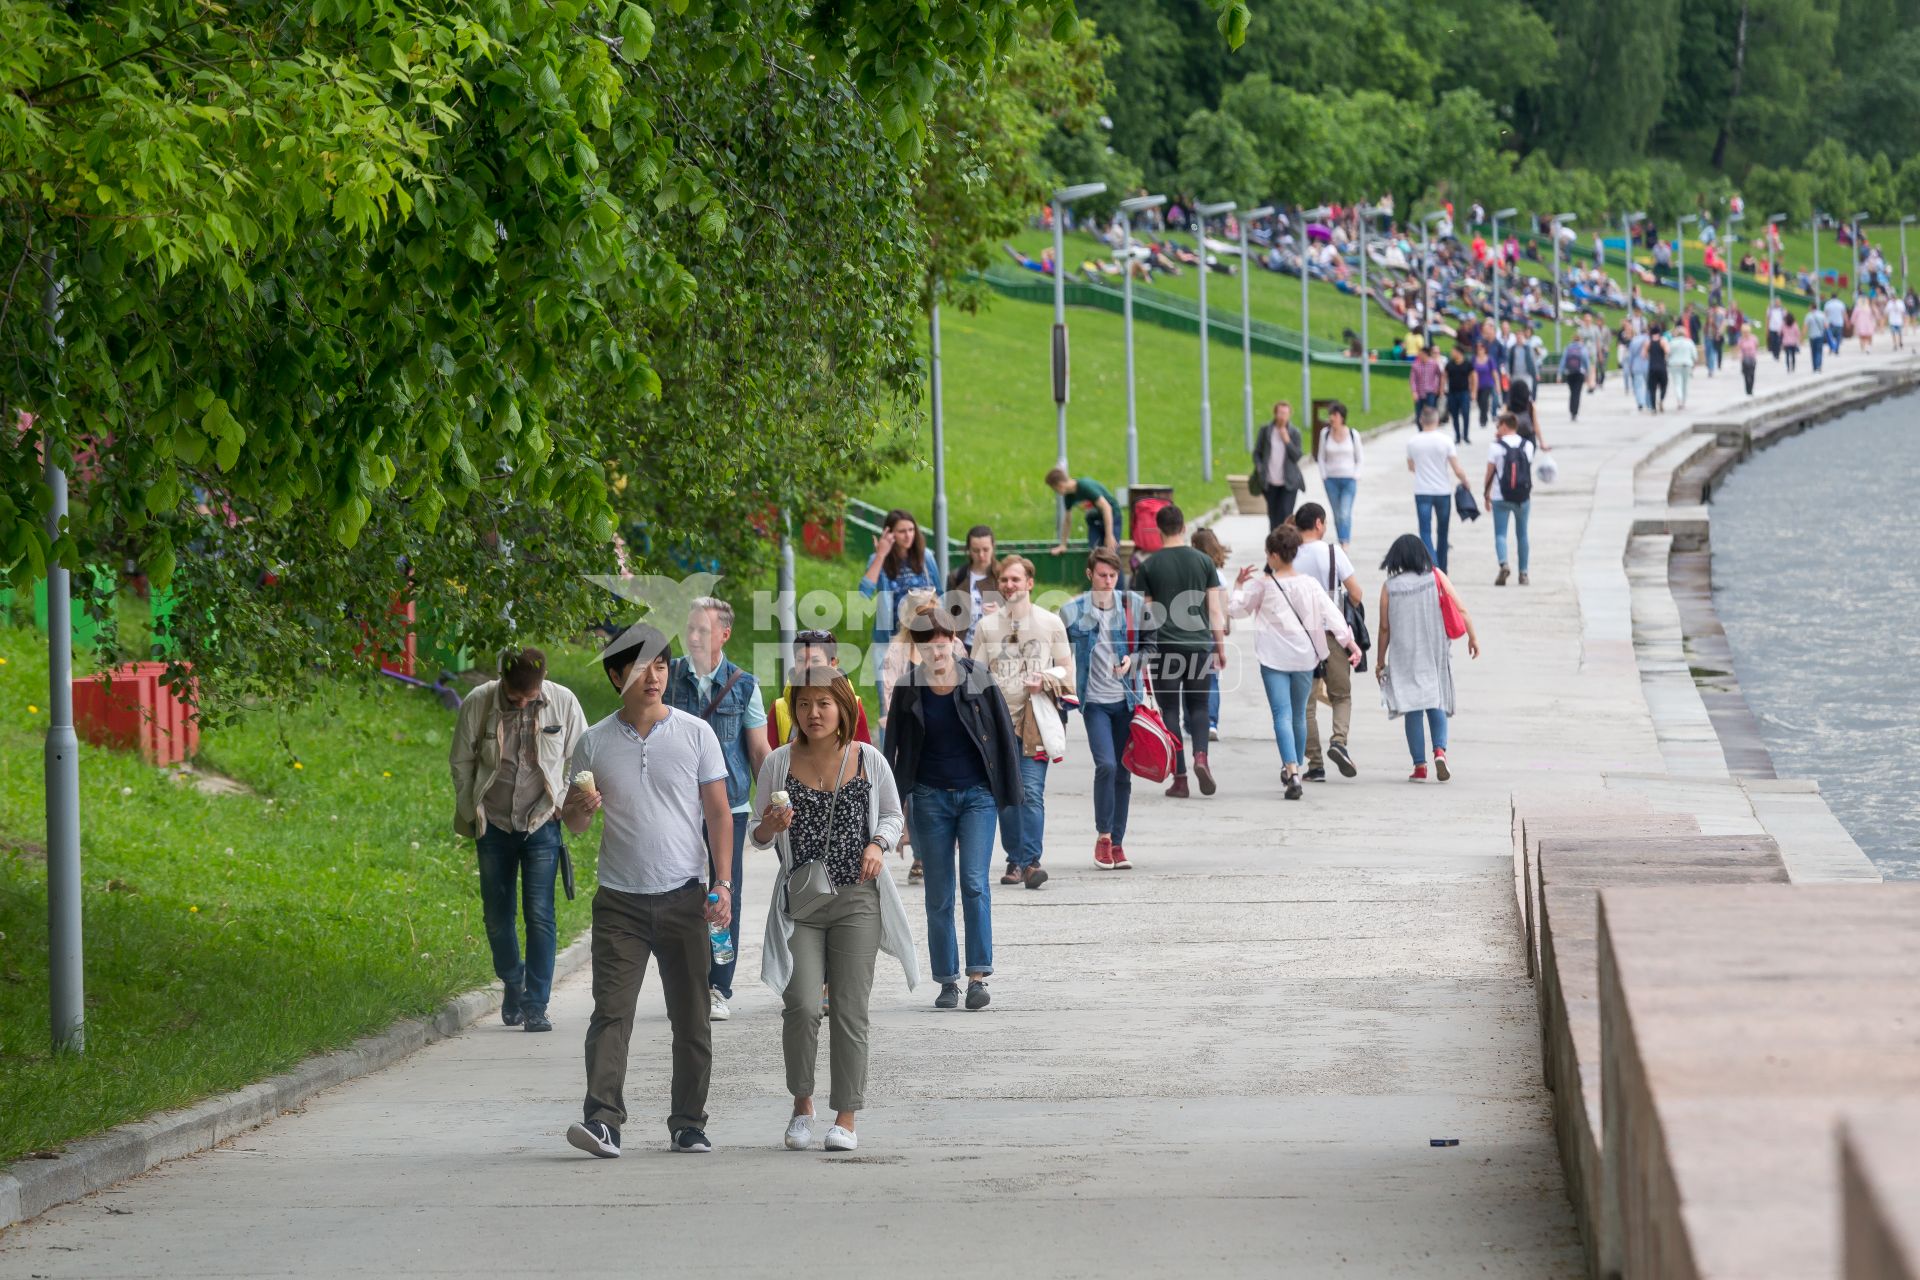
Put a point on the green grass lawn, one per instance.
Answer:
(228, 937)
(1000, 414)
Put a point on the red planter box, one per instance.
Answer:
(129, 709)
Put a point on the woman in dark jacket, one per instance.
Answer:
(954, 753)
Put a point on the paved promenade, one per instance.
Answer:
(1227, 1062)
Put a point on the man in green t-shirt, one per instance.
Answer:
(1103, 529)
(1187, 636)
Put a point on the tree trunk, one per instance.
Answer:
(1733, 98)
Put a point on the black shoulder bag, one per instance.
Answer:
(1354, 613)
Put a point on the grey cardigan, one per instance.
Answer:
(885, 819)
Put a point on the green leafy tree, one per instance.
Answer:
(1771, 191)
(1295, 134)
(1219, 161)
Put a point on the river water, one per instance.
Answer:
(1816, 576)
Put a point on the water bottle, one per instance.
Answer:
(719, 936)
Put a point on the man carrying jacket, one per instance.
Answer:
(511, 745)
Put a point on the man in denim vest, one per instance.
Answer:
(706, 684)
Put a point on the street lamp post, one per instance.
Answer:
(1306, 344)
(1772, 222)
(1129, 207)
(1626, 279)
(1904, 220)
(1203, 212)
(1680, 262)
(1858, 218)
(1816, 259)
(1426, 282)
(1553, 230)
(1727, 253)
(1246, 320)
(1362, 214)
(1499, 260)
(1061, 199)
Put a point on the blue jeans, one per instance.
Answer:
(1460, 414)
(1835, 333)
(1340, 493)
(1518, 510)
(1023, 827)
(953, 835)
(720, 976)
(1287, 694)
(1213, 701)
(1818, 350)
(1417, 736)
(1713, 358)
(533, 859)
(1109, 725)
(1436, 513)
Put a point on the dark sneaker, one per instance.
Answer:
(1178, 791)
(535, 1020)
(949, 997)
(977, 996)
(1014, 874)
(596, 1138)
(1294, 789)
(1501, 581)
(1316, 774)
(691, 1142)
(1036, 876)
(510, 1007)
(1341, 760)
(1203, 774)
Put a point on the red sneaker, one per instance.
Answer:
(1204, 773)
(1103, 852)
(1120, 862)
(1419, 773)
(1440, 764)
(1178, 791)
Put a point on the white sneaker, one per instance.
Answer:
(799, 1133)
(717, 1010)
(839, 1139)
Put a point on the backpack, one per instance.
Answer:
(1146, 524)
(1573, 361)
(1516, 474)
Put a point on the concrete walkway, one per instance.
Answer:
(1229, 1061)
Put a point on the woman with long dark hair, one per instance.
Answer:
(1414, 660)
(899, 564)
(829, 800)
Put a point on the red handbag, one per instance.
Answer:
(1150, 746)
(1450, 616)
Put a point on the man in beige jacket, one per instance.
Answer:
(1025, 648)
(511, 745)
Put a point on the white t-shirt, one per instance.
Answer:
(652, 840)
(1497, 452)
(1429, 452)
(1896, 312)
(1311, 562)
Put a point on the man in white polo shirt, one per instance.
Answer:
(1435, 464)
(657, 774)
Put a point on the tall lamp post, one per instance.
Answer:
(1858, 218)
(1306, 343)
(1129, 207)
(1499, 260)
(1626, 253)
(1246, 320)
(1554, 224)
(1816, 258)
(1061, 199)
(1362, 215)
(1426, 275)
(1727, 253)
(1904, 220)
(1203, 212)
(1772, 222)
(1680, 262)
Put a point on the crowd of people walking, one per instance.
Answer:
(979, 681)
